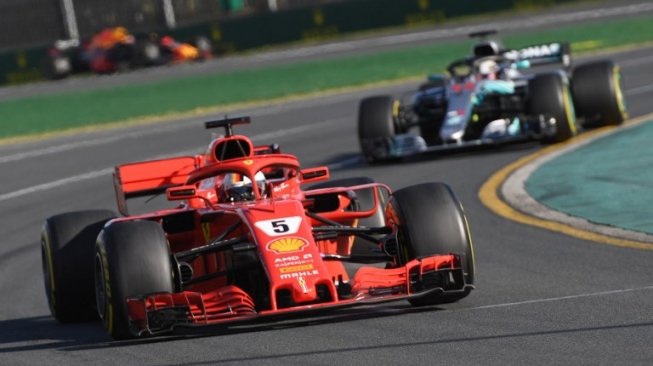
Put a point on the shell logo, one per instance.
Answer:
(287, 245)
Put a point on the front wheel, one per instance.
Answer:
(431, 221)
(131, 261)
(549, 96)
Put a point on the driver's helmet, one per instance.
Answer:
(486, 48)
(237, 187)
(488, 69)
(167, 41)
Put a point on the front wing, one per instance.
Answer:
(406, 145)
(164, 312)
(401, 146)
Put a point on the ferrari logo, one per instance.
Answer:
(248, 162)
(287, 245)
(206, 230)
(302, 284)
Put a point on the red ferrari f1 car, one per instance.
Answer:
(246, 239)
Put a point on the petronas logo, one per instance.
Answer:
(287, 245)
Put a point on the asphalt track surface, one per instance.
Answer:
(542, 297)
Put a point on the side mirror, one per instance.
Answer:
(180, 193)
(311, 175)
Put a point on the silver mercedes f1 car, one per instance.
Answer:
(494, 96)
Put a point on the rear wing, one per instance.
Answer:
(544, 54)
(150, 177)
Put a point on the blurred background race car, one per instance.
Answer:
(115, 49)
(488, 99)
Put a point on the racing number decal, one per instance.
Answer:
(278, 227)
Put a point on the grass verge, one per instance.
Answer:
(45, 114)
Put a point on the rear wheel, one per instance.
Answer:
(131, 260)
(431, 221)
(598, 98)
(549, 96)
(376, 124)
(67, 247)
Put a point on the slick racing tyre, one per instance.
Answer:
(376, 125)
(67, 247)
(549, 95)
(431, 221)
(598, 99)
(131, 260)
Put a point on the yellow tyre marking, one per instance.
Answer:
(107, 290)
(471, 244)
(395, 108)
(616, 82)
(490, 198)
(569, 110)
(48, 254)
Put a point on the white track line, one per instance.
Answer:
(644, 60)
(523, 23)
(639, 90)
(264, 136)
(55, 184)
(109, 170)
(136, 134)
(84, 143)
(562, 298)
(387, 40)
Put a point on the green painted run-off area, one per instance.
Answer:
(609, 181)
